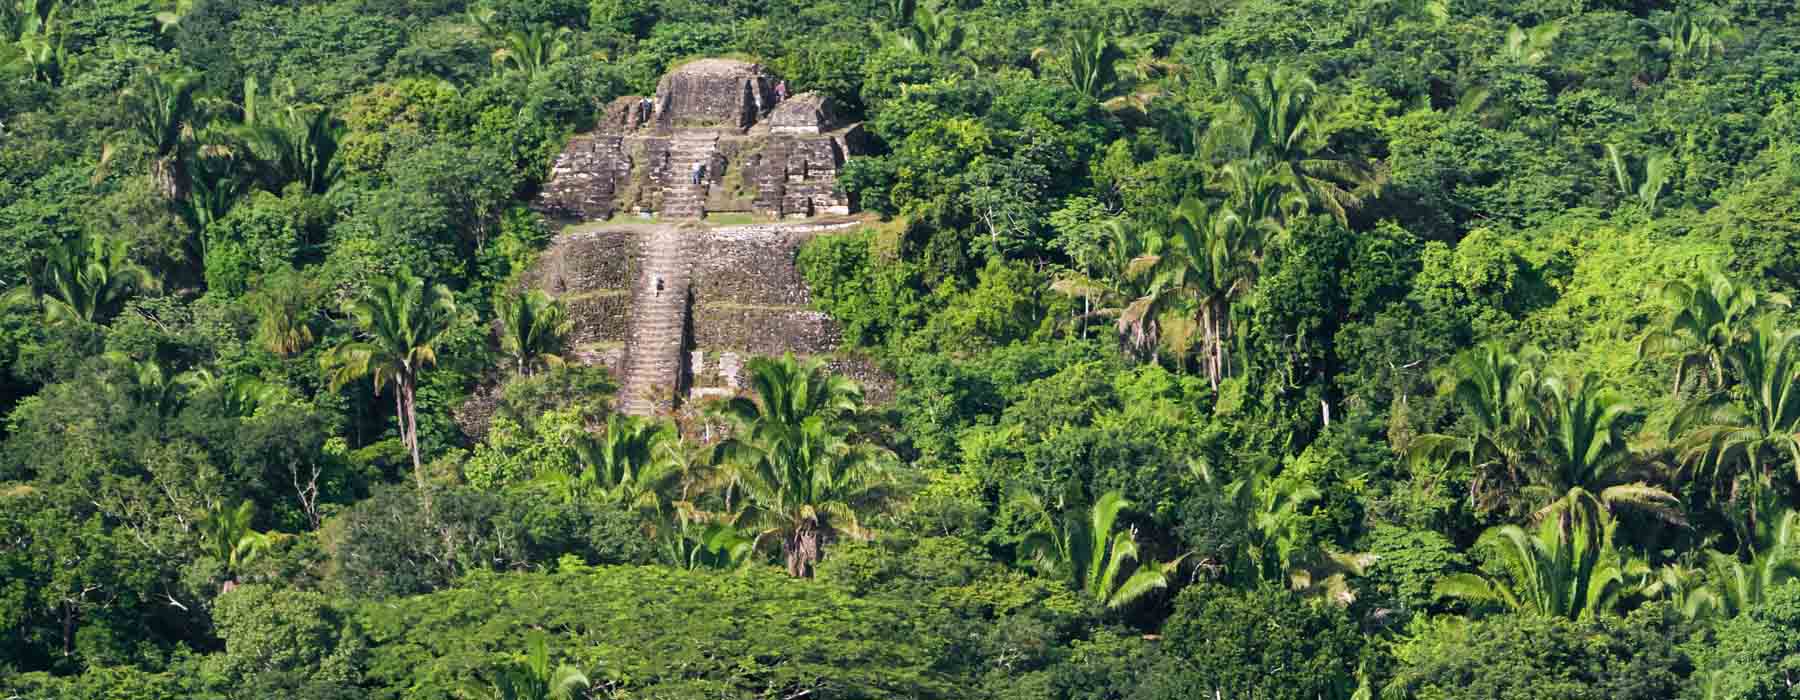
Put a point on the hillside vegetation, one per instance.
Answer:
(1286, 350)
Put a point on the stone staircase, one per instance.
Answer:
(654, 348)
(771, 178)
(681, 198)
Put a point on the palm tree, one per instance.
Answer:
(31, 34)
(1270, 513)
(1094, 558)
(83, 280)
(1494, 388)
(215, 183)
(176, 11)
(793, 454)
(1276, 122)
(1693, 34)
(1648, 191)
(534, 679)
(629, 463)
(532, 326)
(930, 32)
(401, 320)
(1257, 193)
(226, 536)
(46, 54)
(237, 396)
(1706, 320)
(161, 111)
(291, 142)
(1564, 569)
(284, 305)
(1773, 553)
(1685, 588)
(532, 50)
(1085, 60)
(1114, 280)
(148, 383)
(719, 546)
(1530, 47)
(1739, 435)
(1216, 257)
(1585, 452)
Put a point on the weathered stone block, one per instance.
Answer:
(763, 330)
(714, 92)
(774, 159)
(749, 265)
(587, 261)
(598, 316)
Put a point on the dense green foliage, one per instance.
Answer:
(1241, 349)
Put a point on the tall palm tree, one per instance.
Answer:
(532, 327)
(1707, 317)
(1091, 555)
(532, 50)
(1736, 437)
(400, 322)
(1584, 455)
(807, 489)
(1276, 122)
(534, 679)
(1217, 257)
(162, 114)
(83, 280)
(794, 455)
(1564, 569)
(1114, 279)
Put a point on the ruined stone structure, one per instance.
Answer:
(727, 294)
(718, 119)
(676, 308)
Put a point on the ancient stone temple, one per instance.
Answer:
(716, 137)
(677, 311)
(675, 307)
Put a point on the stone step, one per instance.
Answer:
(654, 353)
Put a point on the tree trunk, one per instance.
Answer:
(409, 433)
(801, 548)
(165, 171)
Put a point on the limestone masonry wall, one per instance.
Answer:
(746, 298)
(763, 155)
(587, 261)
